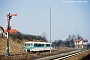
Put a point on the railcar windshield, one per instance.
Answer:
(28, 44)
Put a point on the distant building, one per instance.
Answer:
(4, 32)
(1, 31)
(80, 43)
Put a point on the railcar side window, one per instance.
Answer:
(42, 45)
(48, 45)
(39, 45)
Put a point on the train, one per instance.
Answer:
(37, 46)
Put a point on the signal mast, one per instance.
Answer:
(9, 17)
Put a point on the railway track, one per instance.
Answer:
(63, 56)
(68, 56)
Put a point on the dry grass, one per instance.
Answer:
(2, 45)
(15, 46)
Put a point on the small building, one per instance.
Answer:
(80, 43)
(4, 32)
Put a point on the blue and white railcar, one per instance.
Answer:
(36, 46)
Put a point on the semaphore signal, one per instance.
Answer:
(11, 14)
(9, 17)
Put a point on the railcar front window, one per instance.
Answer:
(27, 44)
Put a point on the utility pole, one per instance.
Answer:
(77, 36)
(50, 30)
(9, 16)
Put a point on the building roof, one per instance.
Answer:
(2, 28)
(85, 40)
(78, 40)
(12, 31)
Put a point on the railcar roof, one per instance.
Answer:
(38, 42)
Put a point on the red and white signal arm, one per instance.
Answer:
(11, 14)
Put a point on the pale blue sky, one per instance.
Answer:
(34, 17)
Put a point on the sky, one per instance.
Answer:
(33, 18)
